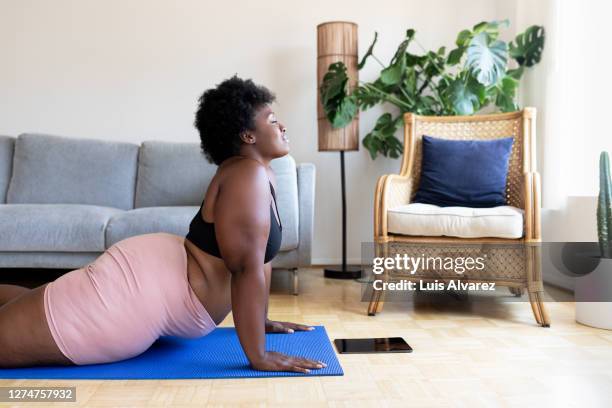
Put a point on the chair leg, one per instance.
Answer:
(545, 319)
(535, 286)
(376, 304)
(374, 301)
(539, 311)
(295, 281)
(535, 308)
(381, 302)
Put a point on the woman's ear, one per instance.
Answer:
(247, 137)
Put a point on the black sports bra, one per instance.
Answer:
(202, 233)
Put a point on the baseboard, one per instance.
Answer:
(334, 261)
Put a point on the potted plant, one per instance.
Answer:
(593, 291)
(471, 76)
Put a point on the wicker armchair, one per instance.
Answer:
(516, 262)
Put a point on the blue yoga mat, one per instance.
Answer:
(217, 355)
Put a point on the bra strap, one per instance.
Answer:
(277, 213)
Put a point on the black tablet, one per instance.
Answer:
(373, 345)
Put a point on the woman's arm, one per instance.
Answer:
(242, 224)
(241, 231)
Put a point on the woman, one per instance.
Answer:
(161, 284)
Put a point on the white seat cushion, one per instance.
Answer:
(464, 222)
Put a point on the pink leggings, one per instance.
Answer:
(117, 306)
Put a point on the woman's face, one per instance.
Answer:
(270, 138)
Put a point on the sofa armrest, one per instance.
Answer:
(306, 199)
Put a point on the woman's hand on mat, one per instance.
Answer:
(285, 327)
(274, 361)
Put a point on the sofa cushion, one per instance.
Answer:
(431, 220)
(54, 227)
(468, 173)
(59, 170)
(285, 172)
(171, 174)
(6, 164)
(173, 220)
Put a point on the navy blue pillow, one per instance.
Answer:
(466, 173)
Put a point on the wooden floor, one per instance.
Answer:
(466, 354)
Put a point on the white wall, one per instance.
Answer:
(572, 97)
(132, 70)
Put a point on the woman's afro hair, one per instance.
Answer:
(225, 112)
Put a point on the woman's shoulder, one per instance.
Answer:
(242, 174)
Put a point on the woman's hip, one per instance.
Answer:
(116, 307)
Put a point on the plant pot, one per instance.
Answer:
(593, 294)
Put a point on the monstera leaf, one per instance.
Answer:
(527, 47)
(465, 95)
(382, 137)
(392, 75)
(487, 59)
(339, 108)
(345, 113)
(491, 28)
(506, 94)
(463, 38)
(454, 57)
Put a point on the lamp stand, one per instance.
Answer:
(346, 272)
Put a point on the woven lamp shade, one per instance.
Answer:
(337, 41)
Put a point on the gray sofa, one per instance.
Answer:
(64, 201)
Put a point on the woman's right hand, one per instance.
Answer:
(274, 361)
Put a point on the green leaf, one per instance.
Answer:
(369, 52)
(371, 145)
(365, 98)
(435, 64)
(464, 95)
(506, 94)
(515, 73)
(454, 57)
(491, 28)
(339, 108)
(486, 60)
(410, 81)
(396, 147)
(384, 125)
(426, 105)
(415, 60)
(478, 28)
(333, 83)
(401, 49)
(528, 46)
(382, 138)
(345, 113)
(392, 75)
(463, 38)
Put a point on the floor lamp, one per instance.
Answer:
(337, 41)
